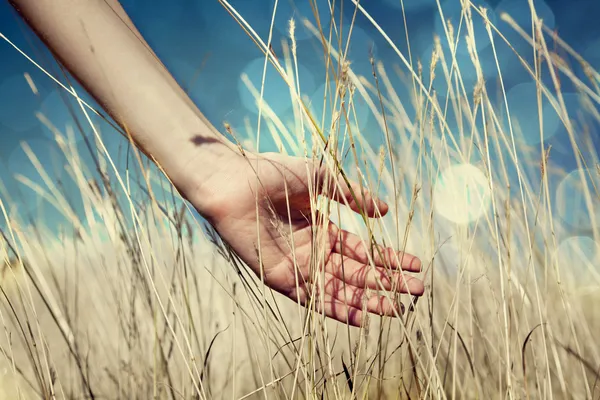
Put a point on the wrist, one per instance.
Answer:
(199, 179)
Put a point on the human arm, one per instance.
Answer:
(99, 45)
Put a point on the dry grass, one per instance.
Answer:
(143, 301)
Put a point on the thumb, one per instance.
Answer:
(353, 194)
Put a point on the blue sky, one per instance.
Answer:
(192, 34)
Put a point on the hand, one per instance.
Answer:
(281, 199)
(110, 59)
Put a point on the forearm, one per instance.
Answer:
(97, 43)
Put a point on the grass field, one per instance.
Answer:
(135, 298)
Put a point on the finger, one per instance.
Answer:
(332, 308)
(357, 297)
(365, 276)
(356, 197)
(340, 311)
(351, 245)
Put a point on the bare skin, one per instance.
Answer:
(98, 44)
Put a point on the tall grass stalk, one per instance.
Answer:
(135, 297)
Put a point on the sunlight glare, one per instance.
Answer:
(462, 194)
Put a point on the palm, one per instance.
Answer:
(285, 240)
